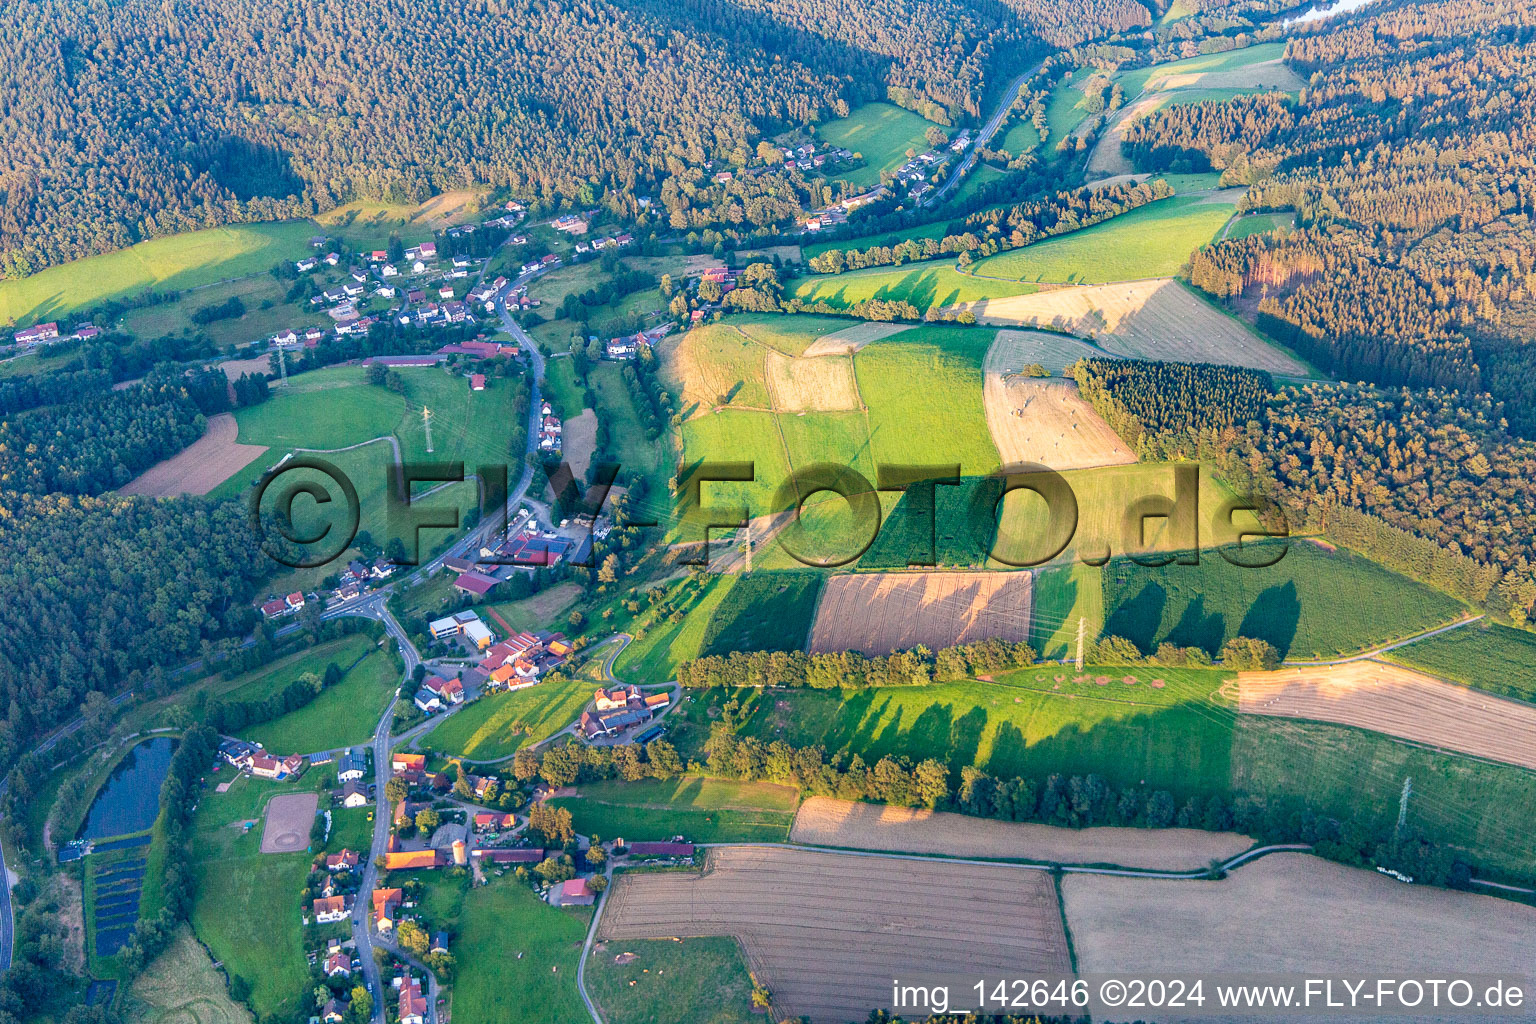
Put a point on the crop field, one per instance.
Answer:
(826, 821)
(766, 611)
(1027, 532)
(1398, 702)
(174, 263)
(662, 981)
(793, 911)
(201, 466)
(497, 724)
(1291, 912)
(703, 810)
(877, 613)
(181, 986)
(1047, 423)
(882, 133)
(1490, 657)
(811, 384)
(927, 285)
(1155, 319)
(1311, 604)
(342, 715)
(525, 955)
(1152, 241)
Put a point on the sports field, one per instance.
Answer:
(702, 810)
(880, 132)
(1312, 604)
(1151, 241)
(163, 264)
(497, 724)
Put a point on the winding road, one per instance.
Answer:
(987, 132)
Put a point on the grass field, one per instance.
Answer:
(766, 611)
(181, 986)
(342, 715)
(1486, 656)
(369, 223)
(173, 263)
(703, 810)
(702, 981)
(627, 443)
(882, 133)
(1152, 241)
(926, 285)
(262, 682)
(496, 725)
(1066, 108)
(1020, 138)
(520, 955)
(1311, 604)
(541, 611)
(246, 909)
(1260, 223)
(661, 641)
(1134, 82)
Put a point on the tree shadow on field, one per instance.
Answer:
(929, 735)
(965, 737)
(1197, 628)
(1273, 617)
(1138, 618)
(854, 725)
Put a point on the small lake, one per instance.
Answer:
(130, 800)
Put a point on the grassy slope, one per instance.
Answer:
(519, 956)
(181, 985)
(702, 981)
(1311, 604)
(1486, 656)
(703, 810)
(342, 715)
(766, 611)
(1153, 241)
(882, 133)
(162, 264)
(658, 647)
(925, 285)
(496, 725)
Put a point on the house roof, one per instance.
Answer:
(574, 887)
(406, 860)
(475, 582)
(329, 904)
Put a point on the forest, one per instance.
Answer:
(139, 119)
(1173, 410)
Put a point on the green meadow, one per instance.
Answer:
(882, 133)
(928, 284)
(497, 724)
(1485, 655)
(342, 715)
(703, 810)
(173, 263)
(519, 957)
(702, 981)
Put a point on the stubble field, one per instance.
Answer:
(201, 466)
(882, 612)
(827, 932)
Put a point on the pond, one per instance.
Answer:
(130, 800)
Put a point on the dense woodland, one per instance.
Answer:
(138, 119)
(1173, 410)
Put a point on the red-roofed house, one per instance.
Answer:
(346, 860)
(337, 964)
(385, 901)
(37, 335)
(272, 609)
(476, 583)
(490, 821)
(330, 909)
(575, 893)
(413, 1005)
(401, 762)
(477, 382)
(449, 691)
(295, 600)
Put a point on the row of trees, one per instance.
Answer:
(852, 669)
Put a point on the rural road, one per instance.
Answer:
(1384, 648)
(987, 131)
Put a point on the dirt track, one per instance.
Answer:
(1153, 319)
(1042, 421)
(1399, 702)
(1293, 912)
(825, 821)
(877, 613)
(201, 466)
(289, 817)
(826, 933)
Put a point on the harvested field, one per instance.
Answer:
(289, 816)
(1153, 319)
(821, 384)
(1293, 912)
(201, 466)
(850, 339)
(826, 821)
(1043, 421)
(1399, 702)
(695, 265)
(827, 942)
(1014, 349)
(877, 613)
(1107, 157)
(578, 440)
(234, 369)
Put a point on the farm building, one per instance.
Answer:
(412, 860)
(575, 893)
(532, 856)
(661, 849)
(476, 583)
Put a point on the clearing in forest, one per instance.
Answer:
(1399, 702)
(794, 911)
(877, 613)
(1153, 319)
(199, 467)
(1042, 420)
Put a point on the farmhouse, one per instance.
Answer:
(37, 335)
(402, 762)
(477, 382)
(490, 821)
(611, 723)
(330, 909)
(264, 766)
(385, 902)
(618, 697)
(574, 893)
